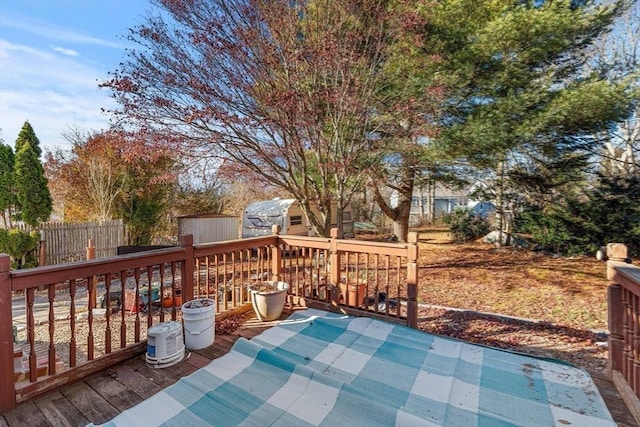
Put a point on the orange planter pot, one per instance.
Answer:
(169, 301)
(354, 295)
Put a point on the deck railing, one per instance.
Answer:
(624, 324)
(78, 318)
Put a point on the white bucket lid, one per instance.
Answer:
(165, 328)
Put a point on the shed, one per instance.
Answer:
(259, 216)
(209, 227)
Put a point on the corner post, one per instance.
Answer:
(186, 274)
(7, 384)
(412, 280)
(276, 255)
(617, 312)
(334, 265)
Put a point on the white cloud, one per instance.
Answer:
(49, 31)
(6, 47)
(53, 92)
(68, 52)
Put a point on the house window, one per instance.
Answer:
(415, 201)
(296, 220)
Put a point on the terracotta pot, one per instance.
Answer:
(355, 295)
(268, 299)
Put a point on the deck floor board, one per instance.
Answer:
(59, 411)
(26, 414)
(89, 402)
(113, 391)
(101, 396)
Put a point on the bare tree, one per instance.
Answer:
(282, 89)
(617, 55)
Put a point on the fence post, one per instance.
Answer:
(334, 268)
(7, 384)
(276, 256)
(42, 250)
(412, 280)
(91, 254)
(187, 268)
(616, 252)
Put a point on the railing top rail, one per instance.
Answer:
(625, 274)
(348, 245)
(39, 276)
(232, 245)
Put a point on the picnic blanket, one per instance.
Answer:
(324, 369)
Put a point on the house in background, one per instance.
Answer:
(431, 202)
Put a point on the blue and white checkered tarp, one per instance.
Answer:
(323, 369)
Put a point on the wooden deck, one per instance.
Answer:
(101, 396)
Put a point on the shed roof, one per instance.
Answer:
(271, 207)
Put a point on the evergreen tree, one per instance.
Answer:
(32, 192)
(27, 134)
(7, 195)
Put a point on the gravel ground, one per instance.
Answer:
(62, 334)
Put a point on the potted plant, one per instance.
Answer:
(268, 299)
(354, 292)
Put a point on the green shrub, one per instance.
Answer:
(20, 246)
(606, 213)
(465, 226)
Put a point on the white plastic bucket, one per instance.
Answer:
(198, 317)
(165, 345)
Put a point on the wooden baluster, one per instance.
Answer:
(294, 281)
(199, 273)
(162, 267)
(625, 331)
(398, 287)
(107, 314)
(31, 334)
(629, 339)
(313, 271)
(387, 267)
(174, 287)
(72, 318)
(367, 287)
(334, 261)
(276, 255)
(246, 274)
(225, 282)
(91, 296)
(324, 272)
(206, 270)
(52, 323)
(136, 305)
(149, 296)
(376, 296)
(123, 323)
(412, 280)
(234, 299)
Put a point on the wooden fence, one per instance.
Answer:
(61, 243)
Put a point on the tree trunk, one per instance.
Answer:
(400, 214)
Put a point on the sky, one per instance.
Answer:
(53, 54)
